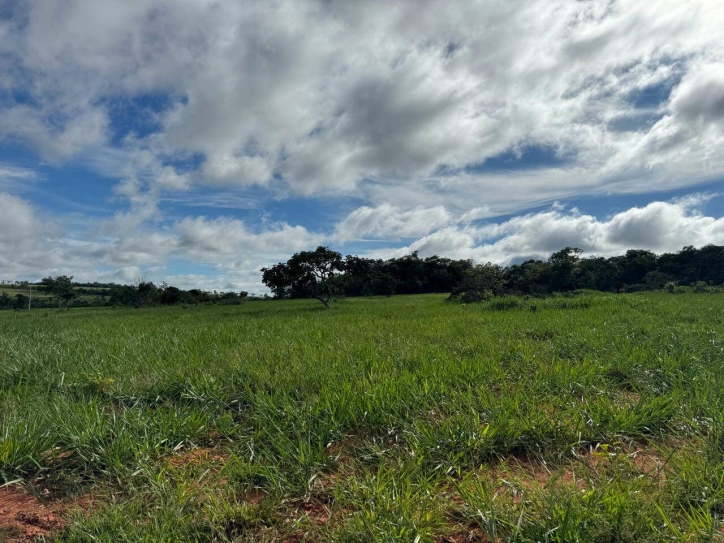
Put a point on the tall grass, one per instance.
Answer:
(391, 414)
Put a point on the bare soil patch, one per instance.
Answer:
(645, 459)
(471, 534)
(23, 517)
(197, 456)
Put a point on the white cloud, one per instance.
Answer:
(245, 170)
(84, 127)
(476, 214)
(658, 226)
(206, 239)
(389, 222)
(15, 179)
(18, 225)
(23, 238)
(399, 104)
(128, 246)
(699, 98)
(328, 95)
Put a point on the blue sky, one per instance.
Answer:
(196, 142)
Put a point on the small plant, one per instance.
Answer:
(100, 385)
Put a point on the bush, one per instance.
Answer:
(700, 287)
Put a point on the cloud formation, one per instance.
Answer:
(123, 249)
(325, 96)
(423, 118)
(390, 222)
(235, 252)
(658, 226)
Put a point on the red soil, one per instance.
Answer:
(25, 518)
(197, 456)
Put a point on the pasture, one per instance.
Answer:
(594, 418)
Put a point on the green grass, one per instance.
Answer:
(401, 419)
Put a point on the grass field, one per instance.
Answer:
(595, 418)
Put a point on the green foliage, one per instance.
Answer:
(308, 274)
(594, 418)
(479, 283)
(61, 288)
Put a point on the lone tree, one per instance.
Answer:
(306, 274)
(61, 287)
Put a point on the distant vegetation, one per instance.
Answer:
(324, 274)
(61, 293)
(564, 271)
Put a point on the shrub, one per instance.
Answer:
(700, 287)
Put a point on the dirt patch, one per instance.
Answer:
(334, 449)
(520, 474)
(316, 513)
(630, 398)
(307, 513)
(198, 456)
(25, 518)
(646, 460)
(471, 534)
(254, 496)
(649, 462)
(642, 459)
(342, 451)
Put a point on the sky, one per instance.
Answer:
(196, 141)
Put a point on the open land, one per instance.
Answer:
(594, 417)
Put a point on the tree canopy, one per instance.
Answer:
(565, 270)
(307, 274)
(324, 273)
(61, 287)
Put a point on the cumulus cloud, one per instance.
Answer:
(699, 98)
(411, 108)
(55, 141)
(207, 239)
(325, 96)
(25, 240)
(18, 224)
(126, 247)
(658, 226)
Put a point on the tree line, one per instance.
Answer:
(324, 274)
(62, 293)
